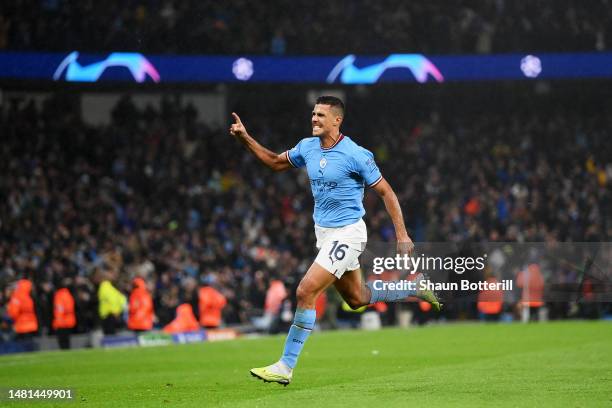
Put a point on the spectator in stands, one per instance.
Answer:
(77, 197)
(207, 26)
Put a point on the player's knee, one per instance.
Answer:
(303, 293)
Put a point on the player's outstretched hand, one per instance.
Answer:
(237, 129)
(405, 247)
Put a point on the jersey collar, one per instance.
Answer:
(334, 145)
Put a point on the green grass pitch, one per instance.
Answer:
(515, 365)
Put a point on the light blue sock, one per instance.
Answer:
(303, 323)
(388, 295)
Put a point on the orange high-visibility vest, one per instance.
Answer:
(424, 306)
(532, 283)
(211, 302)
(140, 314)
(321, 305)
(490, 301)
(380, 307)
(21, 308)
(185, 320)
(275, 295)
(63, 310)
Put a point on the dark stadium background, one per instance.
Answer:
(161, 190)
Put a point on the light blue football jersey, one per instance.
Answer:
(338, 175)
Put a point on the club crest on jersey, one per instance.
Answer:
(323, 162)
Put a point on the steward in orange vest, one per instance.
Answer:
(64, 317)
(491, 302)
(531, 282)
(211, 303)
(141, 313)
(184, 321)
(21, 310)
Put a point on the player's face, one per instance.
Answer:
(324, 120)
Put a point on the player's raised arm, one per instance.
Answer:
(384, 190)
(276, 162)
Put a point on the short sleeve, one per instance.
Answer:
(367, 168)
(295, 156)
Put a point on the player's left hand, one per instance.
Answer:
(405, 246)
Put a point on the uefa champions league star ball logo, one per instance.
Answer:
(323, 162)
(531, 66)
(243, 69)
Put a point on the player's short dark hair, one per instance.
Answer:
(331, 101)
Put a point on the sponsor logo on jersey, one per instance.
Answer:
(322, 185)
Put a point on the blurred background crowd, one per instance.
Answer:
(333, 27)
(160, 195)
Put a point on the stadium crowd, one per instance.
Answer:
(335, 27)
(158, 194)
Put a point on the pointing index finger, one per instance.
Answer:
(236, 118)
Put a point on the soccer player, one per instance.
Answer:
(339, 170)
